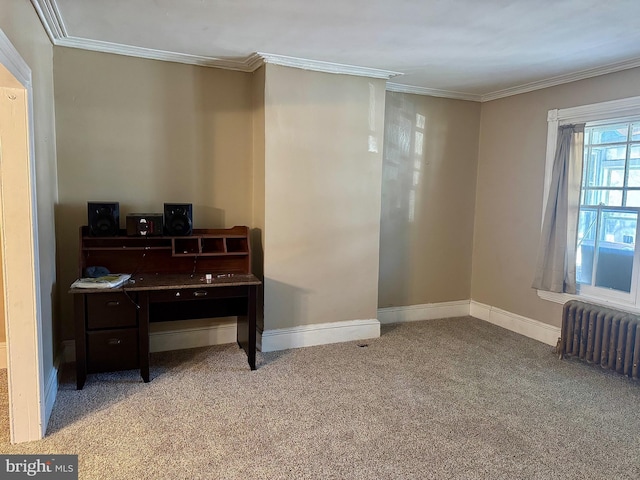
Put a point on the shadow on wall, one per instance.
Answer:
(257, 268)
(67, 256)
(287, 305)
(208, 217)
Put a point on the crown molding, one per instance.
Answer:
(432, 92)
(253, 61)
(51, 19)
(561, 79)
(243, 64)
(327, 67)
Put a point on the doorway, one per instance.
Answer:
(19, 249)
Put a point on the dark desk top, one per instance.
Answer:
(150, 281)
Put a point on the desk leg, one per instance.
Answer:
(247, 327)
(81, 339)
(143, 335)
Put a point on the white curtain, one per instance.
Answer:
(556, 267)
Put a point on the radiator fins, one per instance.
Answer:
(600, 335)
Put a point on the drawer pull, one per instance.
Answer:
(114, 341)
(200, 293)
(113, 303)
(177, 294)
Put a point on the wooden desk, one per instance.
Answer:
(112, 325)
(122, 341)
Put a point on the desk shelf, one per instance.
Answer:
(124, 247)
(209, 250)
(211, 246)
(185, 246)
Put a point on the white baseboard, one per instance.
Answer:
(335, 332)
(528, 327)
(318, 334)
(51, 388)
(3, 355)
(516, 323)
(427, 311)
(193, 337)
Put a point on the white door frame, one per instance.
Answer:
(20, 252)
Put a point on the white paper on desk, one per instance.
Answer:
(107, 281)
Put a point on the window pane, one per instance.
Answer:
(606, 166)
(586, 241)
(586, 175)
(634, 167)
(609, 198)
(633, 198)
(609, 134)
(635, 131)
(616, 249)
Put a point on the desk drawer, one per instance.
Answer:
(110, 350)
(181, 294)
(110, 310)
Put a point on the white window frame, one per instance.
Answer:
(617, 297)
(596, 112)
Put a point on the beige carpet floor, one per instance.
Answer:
(445, 399)
(4, 409)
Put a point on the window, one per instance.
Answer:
(609, 208)
(607, 262)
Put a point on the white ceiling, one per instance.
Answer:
(474, 49)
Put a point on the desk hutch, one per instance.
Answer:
(169, 282)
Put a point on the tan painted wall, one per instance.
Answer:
(19, 21)
(322, 196)
(428, 199)
(513, 135)
(145, 132)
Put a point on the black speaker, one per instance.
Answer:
(104, 219)
(178, 219)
